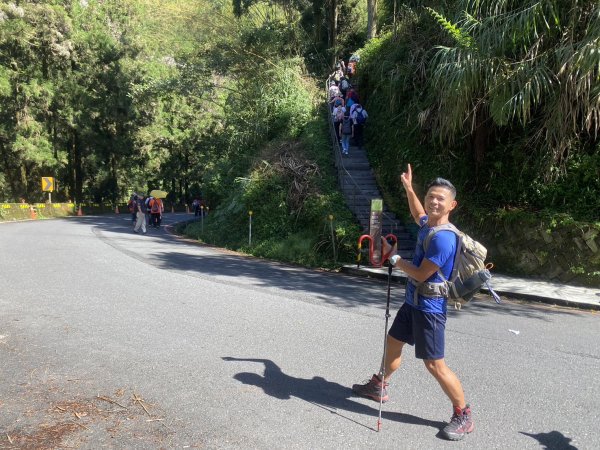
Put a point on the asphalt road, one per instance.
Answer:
(110, 339)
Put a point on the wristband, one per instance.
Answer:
(394, 259)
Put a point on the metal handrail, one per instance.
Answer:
(357, 191)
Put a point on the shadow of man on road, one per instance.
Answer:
(332, 397)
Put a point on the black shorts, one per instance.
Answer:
(423, 330)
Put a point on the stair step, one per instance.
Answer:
(360, 184)
(362, 195)
(350, 189)
(359, 172)
(357, 165)
(359, 179)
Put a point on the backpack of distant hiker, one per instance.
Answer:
(334, 91)
(346, 125)
(339, 114)
(344, 85)
(132, 205)
(469, 272)
(351, 69)
(154, 206)
(361, 118)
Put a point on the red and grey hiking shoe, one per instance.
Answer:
(372, 389)
(460, 424)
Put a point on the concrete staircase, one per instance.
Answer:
(360, 187)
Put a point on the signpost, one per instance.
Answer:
(375, 226)
(249, 228)
(48, 186)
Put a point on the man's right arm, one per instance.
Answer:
(416, 208)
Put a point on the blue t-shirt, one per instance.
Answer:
(441, 252)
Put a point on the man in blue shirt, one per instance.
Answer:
(421, 321)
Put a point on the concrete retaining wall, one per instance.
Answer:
(567, 253)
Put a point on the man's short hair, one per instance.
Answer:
(442, 182)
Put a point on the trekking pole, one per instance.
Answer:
(387, 316)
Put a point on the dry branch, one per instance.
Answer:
(110, 401)
(80, 425)
(140, 400)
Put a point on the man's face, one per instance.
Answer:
(439, 201)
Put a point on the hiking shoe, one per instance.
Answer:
(372, 389)
(460, 424)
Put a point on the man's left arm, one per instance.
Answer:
(420, 273)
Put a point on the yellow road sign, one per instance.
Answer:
(47, 184)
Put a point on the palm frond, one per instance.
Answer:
(535, 63)
(453, 30)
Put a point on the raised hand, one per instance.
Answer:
(406, 178)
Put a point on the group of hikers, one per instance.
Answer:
(145, 210)
(348, 115)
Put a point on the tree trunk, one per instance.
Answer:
(371, 19)
(54, 137)
(175, 197)
(395, 19)
(318, 20)
(114, 171)
(333, 29)
(186, 177)
(8, 171)
(480, 139)
(76, 175)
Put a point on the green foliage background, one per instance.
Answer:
(501, 104)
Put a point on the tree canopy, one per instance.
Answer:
(109, 97)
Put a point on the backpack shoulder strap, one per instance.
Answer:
(434, 230)
(445, 227)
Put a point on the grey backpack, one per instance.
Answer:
(347, 125)
(469, 272)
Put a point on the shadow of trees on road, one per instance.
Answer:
(222, 266)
